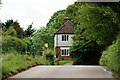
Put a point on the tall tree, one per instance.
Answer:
(95, 29)
(15, 24)
(42, 36)
(57, 19)
(8, 23)
(29, 31)
(19, 30)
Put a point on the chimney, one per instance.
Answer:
(66, 19)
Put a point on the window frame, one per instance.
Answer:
(65, 52)
(65, 37)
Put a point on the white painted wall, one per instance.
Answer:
(58, 40)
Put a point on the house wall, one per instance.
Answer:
(58, 50)
(58, 40)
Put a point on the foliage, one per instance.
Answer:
(111, 57)
(29, 31)
(42, 36)
(11, 44)
(87, 59)
(65, 61)
(49, 55)
(29, 42)
(60, 58)
(20, 62)
(19, 30)
(114, 5)
(11, 32)
(57, 19)
(95, 28)
(10, 23)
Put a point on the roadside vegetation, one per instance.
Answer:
(21, 49)
(65, 61)
(13, 64)
(111, 57)
(96, 39)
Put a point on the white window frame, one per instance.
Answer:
(66, 52)
(65, 37)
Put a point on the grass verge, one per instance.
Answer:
(13, 64)
(62, 62)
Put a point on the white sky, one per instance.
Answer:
(28, 11)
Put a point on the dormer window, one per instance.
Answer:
(65, 37)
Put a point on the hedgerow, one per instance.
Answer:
(111, 57)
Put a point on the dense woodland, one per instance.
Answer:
(96, 38)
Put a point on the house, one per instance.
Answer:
(63, 39)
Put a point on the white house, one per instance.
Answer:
(63, 40)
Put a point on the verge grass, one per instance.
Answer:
(62, 62)
(12, 64)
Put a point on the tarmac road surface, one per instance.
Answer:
(65, 71)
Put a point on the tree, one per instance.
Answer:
(15, 24)
(42, 36)
(95, 29)
(29, 42)
(57, 19)
(19, 30)
(8, 23)
(11, 32)
(29, 31)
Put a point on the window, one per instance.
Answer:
(65, 37)
(65, 52)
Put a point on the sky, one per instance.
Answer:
(27, 11)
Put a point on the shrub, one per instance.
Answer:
(50, 55)
(79, 60)
(60, 58)
(11, 44)
(111, 57)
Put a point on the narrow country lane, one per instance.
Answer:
(65, 71)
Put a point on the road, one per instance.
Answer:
(65, 71)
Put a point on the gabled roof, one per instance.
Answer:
(66, 28)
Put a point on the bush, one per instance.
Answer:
(111, 57)
(12, 44)
(50, 56)
(79, 60)
(60, 58)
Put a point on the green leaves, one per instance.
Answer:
(29, 31)
(42, 36)
(12, 44)
(98, 24)
(8, 27)
(96, 27)
(56, 20)
(11, 31)
(111, 56)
